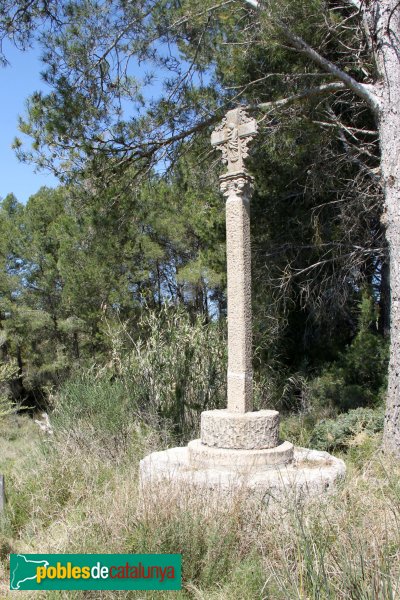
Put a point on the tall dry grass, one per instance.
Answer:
(77, 491)
(66, 499)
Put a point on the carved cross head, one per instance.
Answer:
(232, 136)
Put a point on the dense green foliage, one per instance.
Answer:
(333, 434)
(165, 376)
(358, 376)
(82, 273)
(77, 265)
(139, 224)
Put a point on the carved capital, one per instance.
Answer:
(239, 184)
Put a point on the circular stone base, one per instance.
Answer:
(204, 457)
(242, 431)
(311, 473)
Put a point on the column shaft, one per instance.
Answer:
(240, 376)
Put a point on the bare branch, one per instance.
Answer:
(366, 92)
(363, 91)
(256, 4)
(325, 261)
(319, 90)
(253, 3)
(372, 132)
(355, 3)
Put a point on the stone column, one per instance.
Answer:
(232, 138)
(253, 437)
(237, 188)
(239, 449)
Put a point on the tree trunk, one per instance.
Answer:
(76, 345)
(386, 16)
(390, 170)
(17, 388)
(384, 300)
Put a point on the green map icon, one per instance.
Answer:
(23, 570)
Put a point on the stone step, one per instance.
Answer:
(206, 457)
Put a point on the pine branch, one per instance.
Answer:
(363, 91)
(319, 90)
(366, 92)
(256, 3)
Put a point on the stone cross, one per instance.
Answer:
(232, 136)
(239, 449)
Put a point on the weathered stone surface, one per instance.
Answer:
(247, 431)
(311, 474)
(206, 457)
(232, 137)
(238, 255)
(239, 449)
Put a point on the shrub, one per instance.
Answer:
(94, 407)
(340, 433)
(175, 369)
(8, 371)
(331, 391)
(358, 377)
(164, 378)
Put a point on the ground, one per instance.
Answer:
(70, 494)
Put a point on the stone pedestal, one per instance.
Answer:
(175, 474)
(244, 431)
(240, 453)
(204, 457)
(239, 440)
(238, 447)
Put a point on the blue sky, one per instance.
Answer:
(17, 82)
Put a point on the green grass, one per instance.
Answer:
(18, 436)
